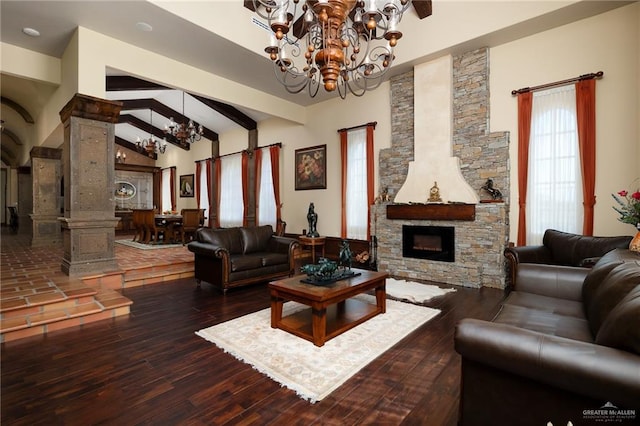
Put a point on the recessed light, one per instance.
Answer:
(32, 32)
(143, 26)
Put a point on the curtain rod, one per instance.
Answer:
(240, 152)
(590, 76)
(373, 123)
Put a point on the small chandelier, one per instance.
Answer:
(152, 145)
(185, 134)
(348, 43)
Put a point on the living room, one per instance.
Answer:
(521, 46)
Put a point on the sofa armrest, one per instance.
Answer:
(282, 244)
(563, 282)
(529, 254)
(206, 249)
(584, 368)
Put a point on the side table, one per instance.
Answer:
(313, 242)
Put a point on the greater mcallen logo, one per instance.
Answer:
(609, 413)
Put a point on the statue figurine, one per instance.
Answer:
(434, 194)
(312, 218)
(494, 192)
(345, 255)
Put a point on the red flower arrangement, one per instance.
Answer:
(628, 207)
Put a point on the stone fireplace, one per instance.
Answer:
(441, 135)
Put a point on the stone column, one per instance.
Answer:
(25, 199)
(89, 206)
(46, 175)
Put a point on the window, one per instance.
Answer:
(554, 186)
(266, 197)
(231, 195)
(167, 202)
(203, 177)
(357, 181)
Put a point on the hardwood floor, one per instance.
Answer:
(150, 368)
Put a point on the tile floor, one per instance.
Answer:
(37, 297)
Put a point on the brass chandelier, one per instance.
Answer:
(347, 43)
(184, 133)
(151, 145)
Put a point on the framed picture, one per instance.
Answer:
(186, 186)
(311, 168)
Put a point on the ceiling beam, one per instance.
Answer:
(230, 112)
(118, 83)
(17, 108)
(165, 111)
(11, 136)
(423, 8)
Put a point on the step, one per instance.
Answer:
(83, 308)
(141, 275)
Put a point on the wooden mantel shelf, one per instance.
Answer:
(432, 211)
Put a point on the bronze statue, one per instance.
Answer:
(494, 192)
(345, 255)
(312, 218)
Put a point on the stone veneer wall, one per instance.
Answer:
(480, 243)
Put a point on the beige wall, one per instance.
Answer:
(608, 42)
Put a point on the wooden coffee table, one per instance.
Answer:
(332, 307)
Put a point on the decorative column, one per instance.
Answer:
(89, 206)
(251, 210)
(46, 176)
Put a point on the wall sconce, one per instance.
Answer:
(121, 157)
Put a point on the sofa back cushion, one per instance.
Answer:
(256, 238)
(606, 295)
(621, 329)
(228, 238)
(571, 249)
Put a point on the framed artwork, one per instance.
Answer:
(311, 168)
(186, 186)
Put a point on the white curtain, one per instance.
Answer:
(356, 200)
(204, 191)
(231, 203)
(266, 195)
(554, 186)
(166, 191)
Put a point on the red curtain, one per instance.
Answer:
(196, 184)
(370, 176)
(208, 169)
(524, 132)
(275, 177)
(343, 156)
(218, 177)
(258, 153)
(586, 116)
(245, 187)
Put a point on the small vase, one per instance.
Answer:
(634, 245)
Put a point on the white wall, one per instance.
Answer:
(324, 121)
(608, 42)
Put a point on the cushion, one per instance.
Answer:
(621, 329)
(274, 259)
(571, 249)
(244, 262)
(614, 287)
(256, 238)
(228, 238)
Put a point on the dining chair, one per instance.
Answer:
(192, 220)
(154, 227)
(137, 220)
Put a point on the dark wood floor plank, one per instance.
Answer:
(151, 368)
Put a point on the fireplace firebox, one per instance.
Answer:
(429, 242)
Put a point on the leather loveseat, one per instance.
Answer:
(565, 346)
(232, 257)
(563, 248)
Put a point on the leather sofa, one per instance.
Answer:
(233, 257)
(564, 346)
(562, 248)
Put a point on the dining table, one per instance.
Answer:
(172, 223)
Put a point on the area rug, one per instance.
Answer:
(414, 292)
(314, 372)
(142, 246)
